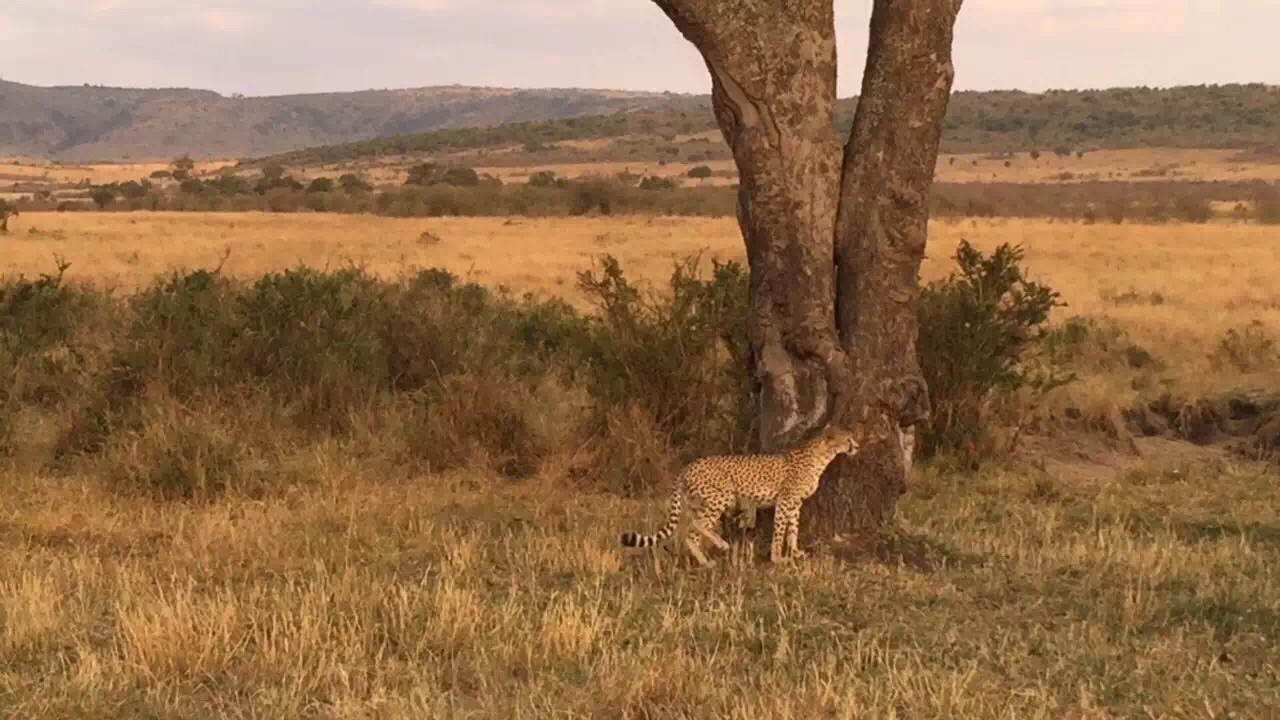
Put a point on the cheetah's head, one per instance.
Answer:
(842, 441)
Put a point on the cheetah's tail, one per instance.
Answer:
(632, 539)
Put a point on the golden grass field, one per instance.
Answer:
(1151, 593)
(1138, 165)
(96, 173)
(1174, 287)
(1077, 581)
(1129, 165)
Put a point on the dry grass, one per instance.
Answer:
(1175, 289)
(100, 173)
(1150, 593)
(1172, 285)
(726, 173)
(1136, 165)
(1128, 585)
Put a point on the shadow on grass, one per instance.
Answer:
(919, 553)
(1262, 535)
(1226, 617)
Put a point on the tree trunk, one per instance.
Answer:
(773, 71)
(883, 224)
(773, 91)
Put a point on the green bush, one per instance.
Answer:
(653, 182)
(102, 196)
(1266, 203)
(1247, 349)
(47, 348)
(980, 329)
(198, 383)
(353, 184)
(1193, 208)
(182, 331)
(438, 327)
(682, 358)
(175, 337)
(201, 451)
(321, 185)
(315, 339)
(1096, 345)
(593, 196)
(50, 339)
(633, 455)
(502, 423)
(542, 178)
(322, 346)
(460, 177)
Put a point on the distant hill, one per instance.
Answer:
(1220, 116)
(98, 123)
(1193, 116)
(92, 123)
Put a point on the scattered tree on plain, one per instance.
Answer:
(181, 168)
(6, 211)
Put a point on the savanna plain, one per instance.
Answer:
(1116, 563)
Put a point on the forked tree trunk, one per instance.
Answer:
(834, 240)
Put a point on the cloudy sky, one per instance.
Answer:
(264, 47)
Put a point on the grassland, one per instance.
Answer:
(19, 170)
(1127, 165)
(1131, 165)
(1146, 593)
(1083, 578)
(1148, 185)
(1175, 287)
(514, 165)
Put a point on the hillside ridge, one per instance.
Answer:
(86, 123)
(94, 123)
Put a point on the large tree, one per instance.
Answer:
(834, 235)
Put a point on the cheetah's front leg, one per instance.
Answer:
(793, 536)
(779, 536)
(786, 525)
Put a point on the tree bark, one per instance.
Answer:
(828, 235)
(889, 166)
(773, 74)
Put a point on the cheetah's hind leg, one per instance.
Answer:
(711, 535)
(704, 521)
(691, 543)
(681, 538)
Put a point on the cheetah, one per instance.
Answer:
(712, 485)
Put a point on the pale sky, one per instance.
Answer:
(266, 47)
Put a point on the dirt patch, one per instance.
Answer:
(1245, 420)
(1087, 458)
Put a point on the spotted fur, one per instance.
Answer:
(712, 485)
